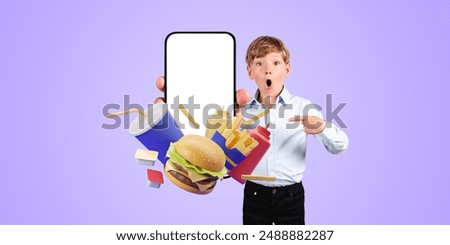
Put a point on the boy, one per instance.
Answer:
(281, 201)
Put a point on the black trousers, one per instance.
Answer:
(273, 205)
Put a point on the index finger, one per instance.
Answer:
(297, 118)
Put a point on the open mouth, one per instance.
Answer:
(268, 82)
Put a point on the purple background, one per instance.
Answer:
(62, 61)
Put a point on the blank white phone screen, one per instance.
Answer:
(200, 75)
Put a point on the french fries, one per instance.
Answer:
(189, 117)
(215, 121)
(256, 117)
(234, 138)
(258, 177)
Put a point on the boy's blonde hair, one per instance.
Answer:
(264, 45)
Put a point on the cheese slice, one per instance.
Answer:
(191, 174)
(194, 176)
(203, 188)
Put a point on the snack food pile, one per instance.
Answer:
(193, 162)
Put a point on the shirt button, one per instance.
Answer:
(274, 191)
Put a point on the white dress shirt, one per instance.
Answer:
(285, 159)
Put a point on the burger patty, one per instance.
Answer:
(187, 180)
(181, 169)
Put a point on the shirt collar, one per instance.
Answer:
(283, 98)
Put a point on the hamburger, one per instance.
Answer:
(195, 164)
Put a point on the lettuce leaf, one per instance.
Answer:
(178, 159)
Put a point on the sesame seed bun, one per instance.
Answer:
(201, 151)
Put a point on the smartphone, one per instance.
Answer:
(200, 77)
